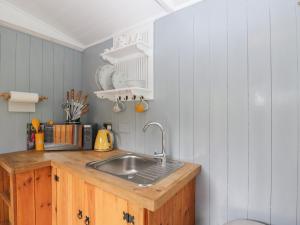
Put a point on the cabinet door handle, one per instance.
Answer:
(79, 214)
(87, 220)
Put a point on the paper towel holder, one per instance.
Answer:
(6, 96)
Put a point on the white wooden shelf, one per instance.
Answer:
(126, 94)
(132, 54)
(126, 53)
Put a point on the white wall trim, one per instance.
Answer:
(39, 35)
(169, 6)
(187, 4)
(17, 19)
(166, 5)
(98, 42)
(176, 8)
(149, 20)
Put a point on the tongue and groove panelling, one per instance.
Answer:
(227, 91)
(31, 64)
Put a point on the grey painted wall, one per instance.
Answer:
(99, 112)
(227, 90)
(34, 65)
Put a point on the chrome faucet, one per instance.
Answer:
(162, 155)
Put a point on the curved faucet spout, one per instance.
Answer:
(162, 155)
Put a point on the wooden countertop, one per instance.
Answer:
(150, 198)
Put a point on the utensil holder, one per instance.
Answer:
(39, 141)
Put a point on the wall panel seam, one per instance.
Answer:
(193, 108)
(271, 95)
(248, 105)
(227, 105)
(297, 47)
(179, 101)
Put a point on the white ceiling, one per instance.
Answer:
(82, 23)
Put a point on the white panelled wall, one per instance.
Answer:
(227, 86)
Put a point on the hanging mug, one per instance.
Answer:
(118, 106)
(141, 106)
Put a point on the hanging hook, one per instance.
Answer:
(5, 96)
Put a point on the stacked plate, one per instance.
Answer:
(103, 77)
(119, 80)
(108, 78)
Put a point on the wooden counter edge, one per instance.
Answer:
(172, 191)
(142, 200)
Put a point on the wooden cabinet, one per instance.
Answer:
(103, 208)
(25, 198)
(55, 196)
(78, 209)
(33, 197)
(81, 203)
(6, 198)
(179, 210)
(69, 198)
(42, 196)
(63, 204)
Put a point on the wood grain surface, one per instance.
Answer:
(43, 196)
(150, 198)
(25, 198)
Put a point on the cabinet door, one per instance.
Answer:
(69, 199)
(43, 196)
(77, 201)
(33, 197)
(90, 213)
(103, 208)
(63, 198)
(138, 213)
(25, 198)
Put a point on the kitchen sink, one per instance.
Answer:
(142, 170)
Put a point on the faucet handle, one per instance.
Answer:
(162, 157)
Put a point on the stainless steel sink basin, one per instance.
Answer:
(142, 170)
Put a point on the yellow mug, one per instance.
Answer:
(141, 106)
(39, 141)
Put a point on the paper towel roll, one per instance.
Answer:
(23, 97)
(22, 101)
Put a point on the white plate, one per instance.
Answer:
(97, 74)
(119, 80)
(105, 77)
(136, 83)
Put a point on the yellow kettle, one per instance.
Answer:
(104, 140)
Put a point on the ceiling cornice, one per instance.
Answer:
(15, 18)
(166, 5)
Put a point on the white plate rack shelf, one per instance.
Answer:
(126, 53)
(125, 94)
(132, 54)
